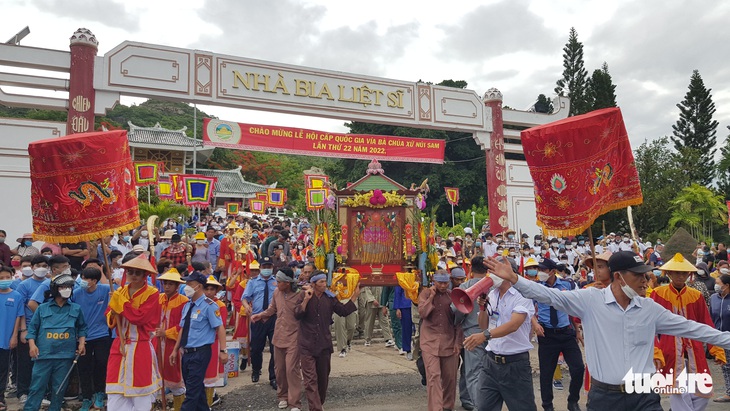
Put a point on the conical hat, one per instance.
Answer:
(141, 263)
(604, 256)
(678, 263)
(531, 262)
(213, 281)
(254, 265)
(171, 275)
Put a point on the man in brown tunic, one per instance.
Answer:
(285, 341)
(440, 343)
(314, 312)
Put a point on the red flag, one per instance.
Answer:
(452, 195)
(582, 167)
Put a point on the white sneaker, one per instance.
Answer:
(295, 409)
(283, 404)
(367, 343)
(400, 351)
(343, 353)
(409, 356)
(389, 343)
(23, 398)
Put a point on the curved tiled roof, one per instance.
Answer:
(232, 184)
(159, 136)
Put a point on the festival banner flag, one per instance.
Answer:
(177, 187)
(582, 167)
(233, 208)
(147, 172)
(164, 188)
(315, 181)
(452, 195)
(80, 189)
(316, 198)
(257, 206)
(276, 197)
(262, 196)
(197, 190)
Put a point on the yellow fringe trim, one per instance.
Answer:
(75, 238)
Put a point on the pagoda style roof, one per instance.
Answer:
(161, 138)
(231, 183)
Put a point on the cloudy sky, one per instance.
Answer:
(651, 46)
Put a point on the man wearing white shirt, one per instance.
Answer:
(489, 246)
(506, 375)
(619, 326)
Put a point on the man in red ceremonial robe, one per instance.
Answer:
(171, 303)
(215, 370)
(241, 326)
(682, 354)
(228, 250)
(132, 378)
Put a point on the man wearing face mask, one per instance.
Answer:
(681, 353)
(489, 247)
(256, 299)
(199, 327)
(560, 335)
(55, 335)
(58, 265)
(620, 327)
(93, 299)
(26, 289)
(25, 246)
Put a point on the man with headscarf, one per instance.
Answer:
(314, 310)
(286, 339)
(440, 342)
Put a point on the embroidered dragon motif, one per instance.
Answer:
(90, 189)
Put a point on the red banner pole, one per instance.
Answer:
(81, 82)
(496, 170)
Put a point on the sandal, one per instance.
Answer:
(724, 398)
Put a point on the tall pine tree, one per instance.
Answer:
(574, 83)
(602, 90)
(696, 130)
(723, 169)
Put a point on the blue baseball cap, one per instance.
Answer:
(196, 276)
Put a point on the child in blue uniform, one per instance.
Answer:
(53, 334)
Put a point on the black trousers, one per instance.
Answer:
(194, 365)
(25, 369)
(509, 383)
(260, 331)
(92, 367)
(4, 370)
(604, 400)
(549, 348)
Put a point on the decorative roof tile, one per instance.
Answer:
(232, 184)
(159, 136)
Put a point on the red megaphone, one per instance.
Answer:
(464, 299)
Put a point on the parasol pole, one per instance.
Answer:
(148, 195)
(593, 250)
(633, 229)
(452, 215)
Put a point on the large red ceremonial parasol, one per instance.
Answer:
(82, 187)
(582, 167)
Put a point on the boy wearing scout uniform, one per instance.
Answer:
(200, 324)
(53, 334)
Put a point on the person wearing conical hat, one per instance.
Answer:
(227, 251)
(215, 370)
(171, 303)
(132, 378)
(683, 354)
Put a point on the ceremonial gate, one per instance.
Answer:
(198, 76)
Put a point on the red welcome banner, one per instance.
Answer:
(290, 140)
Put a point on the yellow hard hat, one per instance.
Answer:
(678, 263)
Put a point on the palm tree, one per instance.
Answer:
(163, 209)
(696, 207)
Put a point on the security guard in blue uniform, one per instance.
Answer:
(201, 320)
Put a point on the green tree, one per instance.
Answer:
(543, 105)
(163, 210)
(695, 129)
(574, 83)
(723, 169)
(601, 88)
(697, 208)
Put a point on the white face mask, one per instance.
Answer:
(725, 270)
(629, 291)
(189, 291)
(40, 272)
(144, 233)
(26, 271)
(200, 242)
(718, 288)
(542, 276)
(66, 272)
(65, 293)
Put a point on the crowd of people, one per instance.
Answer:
(141, 310)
